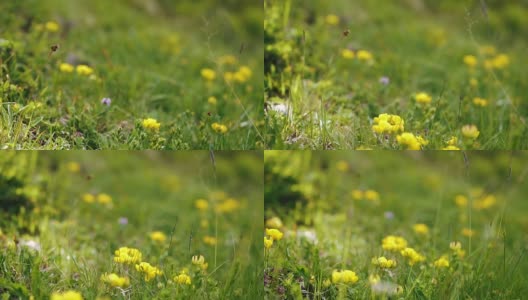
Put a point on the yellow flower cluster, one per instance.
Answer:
(150, 271)
(228, 205)
(201, 204)
(485, 202)
(158, 236)
(470, 60)
(345, 276)
(480, 101)
(362, 55)
(115, 281)
(470, 131)
(73, 167)
(370, 195)
(393, 243)
(268, 242)
(183, 278)
(274, 234)
(52, 26)
(66, 68)
(421, 229)
(220, 128)
(208, 74)
(385, 123)
(210, 240)
(348, 54)
(150, 124)
(227, 60)
(211, 100)
(442, 262)
(332, 19)
(67, 295)
(100, 198)
(498, 62)
(412, 255)
(457, 249)
(423, 98)
(125, 255)
(84, 70)
(410, 141)
(274, 222)
(199, 261)
(383, 262)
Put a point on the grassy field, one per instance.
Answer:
(131, 74)
(64, 218)
(395, 225)
(382, 74)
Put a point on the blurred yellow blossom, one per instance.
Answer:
(468, 232)
(410, 141)
(275, 234)
(442, 262)
(220, 128)
(480, 101)
(182, 278)
(470, 61)
(357, 194)
(348, 54)
(383, 262)
(66, 68)
(73, 166)
(385, 123)
(274, 222)
(364, 55)
(473, 82)
(211, 100)
(461, 201)
(125, 255)
(421, 229)
(210, 240)
(501, 61)
(423, 98)
(150, 271)
(88, 198)
(201, 204)
(413, 256)
(151, 124)
(84, 70)
(485, 202)
(345, 276)
(371, 195)
(52, 26)
(228, 205)
(158, 236)
(470, 131)
(393, 243)
(332, 19)
(67, 295)
(115, 281)
(268, 242)
(208, 74)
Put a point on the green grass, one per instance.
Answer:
(42, 206)
(317, 99)
(147, 57)
(326, 229)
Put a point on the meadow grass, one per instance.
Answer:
(332, 67)
(195, 67)
(64, 215)
(462, 214)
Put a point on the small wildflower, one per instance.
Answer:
(421, 229)
(115, 281)
(150, 271)
(84, 70)
(88, 198)
(364, 55)
(468, 232)
(220, 128)
(348, 54)
(384, 80)
(451, 148)
(104, 198)
(227, 60)
(385, 123)
(208, 74)
(275, 234)
(470, 61)
(457, 249)
(67, 295)
(480, 101)
(501, 61)
(211, 100)
(182, 279)
(342, 166)
(228, 205)
(473, 82)
(332, 19)
(423, 98)
(198, 260)
(411, 141)
(442, 262)
(52, 26)
(461, 201)
(470, 131)
(372, 195)
(122, 221)
(345, 276)
(357, 194)
(158, 236)
(374, 278)
(485, 202)
(243, 74)
(268, 242)
(66, 68)
(151, 124)
(210, 240)
(412, 255)
(125, 255)
(393, 243)
(383, 262)
(274, 222)
(73, 167)
(106, 101)
(201, 204)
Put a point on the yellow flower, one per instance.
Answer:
(457, 248)
(470, 61)
(84, 70)
(66, 68)
(348, 54)
(182, 279)
(421, 229)
(485, 202)
(73, 167)
(275, 234)
(364, 55)
(150, 271)
(385, 123)
(210, 240)
(468, 232)
(342, 166)
(208, 74)
(383, 262)
(332, 19)
(453, 140)
(274, 222)
(501, 61)
(220, 128)
(461, 201)
(52, 26)
(67, 295)
(470, 131)
(228, 205)
(201, 204)
(393, 243)
(451, 148)
(227, 60)
(243, 74)
(374, 278)
(442, 262)
(473, 82)
(88, 198)
(198, 260)
(480, 101)
(211, 100)
(268, 242)
(158, 236)
(357, 194)
(151, 124)
(423, 98)
(125, 255)
(372, 195)
(412, 255)
(104, 198)
(115, 281)
(411, 141)
(345, 276)
(229, 76)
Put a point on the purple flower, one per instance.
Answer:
(384, 80)
(389, 215)
(106, 101)
(123, 221)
